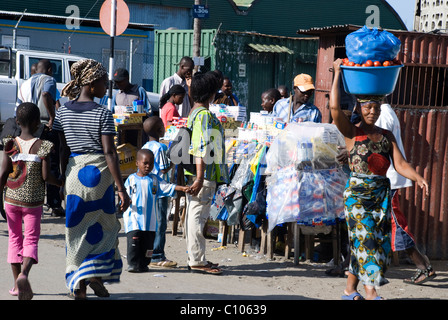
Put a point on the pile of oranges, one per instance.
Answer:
(370, 63)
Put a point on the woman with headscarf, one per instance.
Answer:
(367, 193)
(90, 163)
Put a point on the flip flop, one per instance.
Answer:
(206, 269)
(24, 288)
(13, 292)
(353, 296)
(164, 264)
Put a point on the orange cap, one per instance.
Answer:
(304, 82)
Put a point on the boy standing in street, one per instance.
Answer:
(144, 188)
(155, 129)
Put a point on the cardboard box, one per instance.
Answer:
(127, 155)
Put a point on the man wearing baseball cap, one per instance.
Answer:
(297, 108)
(128, 92)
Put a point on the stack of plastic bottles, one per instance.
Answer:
(306, 182)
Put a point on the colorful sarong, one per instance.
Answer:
(368, 214)
(91, 224)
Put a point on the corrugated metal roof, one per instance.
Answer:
(287, 16)
(329, 29)
(270, 48)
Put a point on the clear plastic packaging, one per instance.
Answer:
(310, 198)
(307, 146)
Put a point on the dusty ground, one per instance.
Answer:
(250, 277)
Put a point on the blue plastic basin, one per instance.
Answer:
(370, 80)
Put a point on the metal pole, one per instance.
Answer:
(14, 31)
(197, 34)
(131, 54)
(113, 17)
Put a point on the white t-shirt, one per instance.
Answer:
(185, 107)
(388, 120)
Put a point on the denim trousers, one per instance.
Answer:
(160, 238)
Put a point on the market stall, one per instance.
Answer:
(280, 174)
(129, 138)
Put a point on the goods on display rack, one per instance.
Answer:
(305, 182)
(225, 113)
(129, 128)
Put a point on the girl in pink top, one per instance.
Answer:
(168, 103)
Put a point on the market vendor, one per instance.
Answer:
(225, 95)
(298, 107)
(269, 98)
(128, 92)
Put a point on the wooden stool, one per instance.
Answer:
(310, 240)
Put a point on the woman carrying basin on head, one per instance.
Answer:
(367, 194)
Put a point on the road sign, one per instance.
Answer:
(122, 17)
(200, 11)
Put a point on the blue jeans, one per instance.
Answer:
(159, 241)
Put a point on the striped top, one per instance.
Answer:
(83, 124)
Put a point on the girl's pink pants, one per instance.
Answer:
(23, 244)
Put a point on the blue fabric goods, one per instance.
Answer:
(371, 44)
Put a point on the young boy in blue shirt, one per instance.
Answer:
(140, 223)
(155, 129)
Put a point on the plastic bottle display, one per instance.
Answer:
(306, 182)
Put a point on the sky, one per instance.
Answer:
(405, 9)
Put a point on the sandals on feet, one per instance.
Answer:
(13, 292)
(209, 268)
(164, 264)
(419, 273)
(354, 296)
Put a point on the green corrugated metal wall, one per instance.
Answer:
(264, 70)
(171, 45)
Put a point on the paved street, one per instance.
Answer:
(246, 277)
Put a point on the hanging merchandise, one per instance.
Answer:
(306, 181)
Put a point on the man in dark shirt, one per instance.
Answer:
(128, 92)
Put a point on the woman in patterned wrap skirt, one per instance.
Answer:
(367, 194)
(90, 162)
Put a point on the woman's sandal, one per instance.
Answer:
(354, 296)
(419, 273)
(99, 289)
(209, 268)
(14, 292)
(164, 264)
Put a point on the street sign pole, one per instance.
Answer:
(113, 22)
